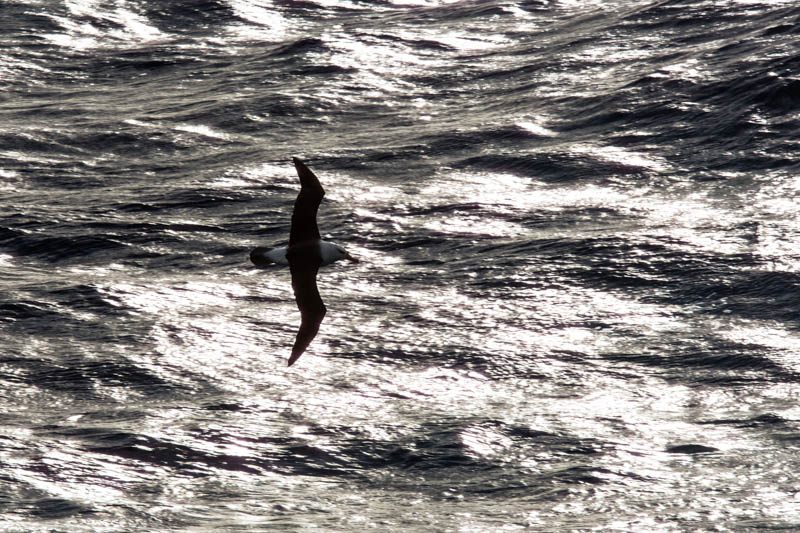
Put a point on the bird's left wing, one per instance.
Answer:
(312, 310)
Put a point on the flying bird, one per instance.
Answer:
(304, 255)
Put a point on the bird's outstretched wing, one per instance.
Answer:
(312, 310)
(304, 216)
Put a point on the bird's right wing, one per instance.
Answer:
(304, 216)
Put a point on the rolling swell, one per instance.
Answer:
(57, 248)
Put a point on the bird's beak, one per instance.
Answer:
(351, 258)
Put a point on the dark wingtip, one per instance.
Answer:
(258, 258)
(308, 180)
(300, 165)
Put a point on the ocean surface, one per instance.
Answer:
(578, 301)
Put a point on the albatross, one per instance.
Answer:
(304, 255)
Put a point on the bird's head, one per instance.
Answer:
(344, 254)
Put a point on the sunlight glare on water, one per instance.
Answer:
(203, 130)
(535, 126)
(376, 62)
(575, 307)
(268, 21)
(488, 188)
(627, 159)
(130, 25)
(195, 330)
(695, 223)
